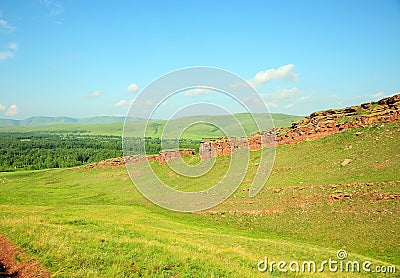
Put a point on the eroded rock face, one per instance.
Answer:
(167, 155)
(316, 125)
(162, 158)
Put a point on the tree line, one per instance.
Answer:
(34, 150)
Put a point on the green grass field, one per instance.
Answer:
(88, 223)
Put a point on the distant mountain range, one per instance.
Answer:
(280, 119)
(40, 121)
(195, 127)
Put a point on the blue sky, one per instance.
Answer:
(79, 58)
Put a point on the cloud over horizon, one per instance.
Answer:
(9, 51)
(285, 98)
(197, 91)
(5, 27)
(55, 7)
(123, 102)
(282, 73)
(95, 94)
(377, 95)
(12, 110)
(133, 88)
(281, 94)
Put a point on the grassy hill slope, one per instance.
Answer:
(86, 223)
(155, 127)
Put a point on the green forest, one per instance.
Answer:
(35, 150)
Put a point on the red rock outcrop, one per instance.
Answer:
(317, 125)
(167, 155)
(162, 158)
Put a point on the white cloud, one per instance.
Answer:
(138, 103)
(12, 110)
(285, 98)
(2, 107)
(271, 104)
(123, 102)
(302, 99)
(9, 52)
(6, 55)
(95, 94)
(197, 91)
(282, 94)
(5, 27)
(148, 102)
(377, 95)
(282, 73)
(13, 46)
(133, 88)
(55, 7)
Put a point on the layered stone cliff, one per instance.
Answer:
(317, 125)
(163, 157)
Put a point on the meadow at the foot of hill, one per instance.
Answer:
(82, 222)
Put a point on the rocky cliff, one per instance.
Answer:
(316, 125)
(163, 157)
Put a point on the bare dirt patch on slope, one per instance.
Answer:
(14, 263)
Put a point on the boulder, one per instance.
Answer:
(346, 161)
